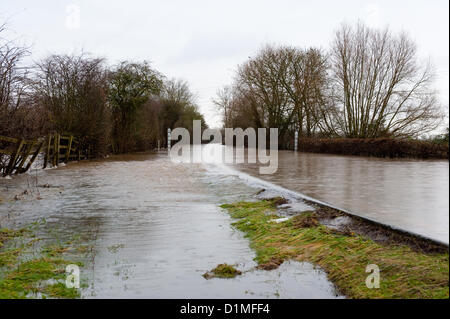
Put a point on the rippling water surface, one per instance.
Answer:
(155, 227)
(409, 194)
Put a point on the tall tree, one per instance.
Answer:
(72, 90)
(17, 118)
(130, 87)
(281, 87)
(382, 89)
(179, 106)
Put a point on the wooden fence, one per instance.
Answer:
(21, 153)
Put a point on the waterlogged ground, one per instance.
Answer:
(409, 194)
(153, 228)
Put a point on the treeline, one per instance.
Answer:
(370, 84)
(122, 108)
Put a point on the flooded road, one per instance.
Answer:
(409, 194)
(155, 228)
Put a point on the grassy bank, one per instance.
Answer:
(27, 272)
(377, 147)
(404, 273)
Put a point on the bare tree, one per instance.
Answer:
(382, 90)
(177, 91)
(260, 81)
(306, 83)
(283, 87)
(224, 102)
(73, 92)
(179, 106)
(14, 85)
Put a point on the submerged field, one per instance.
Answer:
(404, 272)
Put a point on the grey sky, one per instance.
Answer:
(203, 41)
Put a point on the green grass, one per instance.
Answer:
(404, 273)
(8, 234)
(223, 271)
(25, 281)
(42, 276)
(59, 290)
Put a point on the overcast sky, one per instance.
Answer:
(203, 41)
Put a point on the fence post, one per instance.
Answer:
(25, 154)
(295, 141)
(13, 157)
(168, 139)
(69, 146)
(30, 162)
(56, 140)
(58, 149)
(47, 151)
(54, 150)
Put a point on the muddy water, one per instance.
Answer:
(155, 228)
(409, 194)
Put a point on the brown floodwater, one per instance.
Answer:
(409, 194)
(155, 227)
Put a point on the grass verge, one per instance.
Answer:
(39, 277)
(404, 273)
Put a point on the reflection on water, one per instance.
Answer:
(409, 194)
(156, 228)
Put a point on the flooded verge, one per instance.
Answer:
(154, 227)
(408, 194)
(345, 253)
